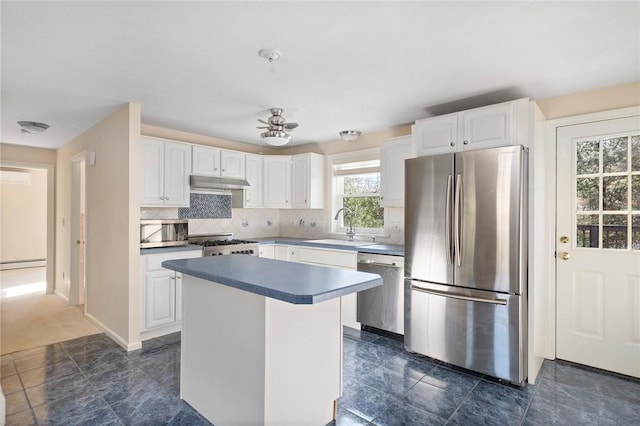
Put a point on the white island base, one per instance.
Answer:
(248, 359)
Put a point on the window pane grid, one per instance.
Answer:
(607, 193)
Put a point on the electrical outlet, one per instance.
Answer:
(245, 223)
(301, 222)
(269, 222)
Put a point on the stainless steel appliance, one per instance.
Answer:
(466, 260)
(382, 307)
(222, 244)
(163, 233)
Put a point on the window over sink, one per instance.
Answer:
(356, 188)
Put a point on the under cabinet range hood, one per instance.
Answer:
(208, 183)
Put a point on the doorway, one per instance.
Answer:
(598, 244)
(77, 229)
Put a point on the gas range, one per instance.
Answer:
(222, 244)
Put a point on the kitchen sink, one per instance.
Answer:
(341, 242)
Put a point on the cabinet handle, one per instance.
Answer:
(173, 277)
(224, 170)
(215, 169)
(166, 198)
(382, 198)
(466, 142)
(452, 143)
(286, 201)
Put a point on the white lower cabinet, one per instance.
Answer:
(161, 294)
(266, 251)
(345, 259)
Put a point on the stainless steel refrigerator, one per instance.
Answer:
(466, 260)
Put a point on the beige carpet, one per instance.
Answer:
(31, 318)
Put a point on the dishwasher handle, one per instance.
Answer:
(374, 263)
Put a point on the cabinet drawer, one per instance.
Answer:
(154, 261)
(339, 258)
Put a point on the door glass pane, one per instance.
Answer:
(614, 155)
(614, 193)
(635, 153)
(587, 192)
(587, 157)
(635, 232)
(587, 232)
(614, 231)
(635, 192)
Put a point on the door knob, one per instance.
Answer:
(564, 239)
(564, 255)
(78, 242)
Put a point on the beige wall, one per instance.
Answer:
(23, 219)
(112, 206)
(604, 99)
(27, 154)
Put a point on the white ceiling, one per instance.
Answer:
(345, 65)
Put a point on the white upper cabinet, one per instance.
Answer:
(437, 135)
(210, 161)
(277, 181)
(164, 174)
(393, 152)
(232, 164)
(307, 181)
(253, 194)
(491, 126)
(206, 161)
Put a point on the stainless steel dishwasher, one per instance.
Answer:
(382, 307)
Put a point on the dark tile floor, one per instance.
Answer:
(384, 385)
(92, 381)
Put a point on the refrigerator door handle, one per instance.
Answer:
(457, 213)
(447, 222)
(459, 296)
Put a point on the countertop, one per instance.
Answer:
(156, 250)
(296, 283)
(389, 249)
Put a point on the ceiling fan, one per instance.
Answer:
(277, 128)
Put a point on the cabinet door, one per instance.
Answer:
(206, 161)
(300, 181)
(160, 298)
(281, 252)
(253, 194)
(277, 181)
(437, 135)
(151, 172)
(393, 152)
(177, 161)
(267, 251)
(487, 127)
(232, 164)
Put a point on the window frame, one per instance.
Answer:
(336, 198)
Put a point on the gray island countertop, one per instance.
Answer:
(296, 283)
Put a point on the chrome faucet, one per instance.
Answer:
(350, 232)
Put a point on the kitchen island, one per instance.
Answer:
(262, 338)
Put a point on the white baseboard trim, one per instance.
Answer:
(5, 266)
(64, 298)
(113, 335)
(160, 331)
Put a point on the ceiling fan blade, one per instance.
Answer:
(262, 121)
(262, 127)
(290, 126)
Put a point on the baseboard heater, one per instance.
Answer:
(19, 264)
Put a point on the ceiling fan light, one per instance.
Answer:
(275, 137)
(32, 127)
(350, 135)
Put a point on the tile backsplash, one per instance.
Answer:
(264, 223)
(207, 206)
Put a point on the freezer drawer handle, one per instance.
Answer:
(459, 296)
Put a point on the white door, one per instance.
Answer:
(598, 245)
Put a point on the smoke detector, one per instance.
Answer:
(270, 54)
